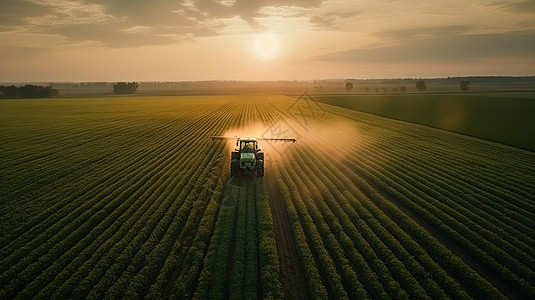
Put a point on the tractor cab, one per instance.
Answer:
(247, 145)
(247, 157)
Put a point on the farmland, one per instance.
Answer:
(504, 117)
(128, 196)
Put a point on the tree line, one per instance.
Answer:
(421, 86)
(125, 88)
(27, 91)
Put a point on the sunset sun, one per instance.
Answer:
(266, 45)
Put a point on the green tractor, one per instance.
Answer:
(247, 156)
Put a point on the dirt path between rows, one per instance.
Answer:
(292, 275)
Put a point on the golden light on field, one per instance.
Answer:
(266, 45)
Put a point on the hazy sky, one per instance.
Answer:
(168, 40)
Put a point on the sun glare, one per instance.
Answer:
(266, 45)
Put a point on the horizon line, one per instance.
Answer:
(274, 80)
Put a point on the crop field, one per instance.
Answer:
(504, 117)
(128, 197)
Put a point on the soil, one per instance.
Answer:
(292, 275)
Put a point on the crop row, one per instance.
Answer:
(129, 231)
(139, 160)
(242, 260)
(45, 184)
(497, 171)
(118, 167)
(387, 169)
(131, 200)
(443, 209)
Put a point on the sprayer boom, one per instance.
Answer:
(258, 139)
(277, 139)
(224, 138)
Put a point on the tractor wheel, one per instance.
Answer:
(260, 168)
(234, 166)
(260, 156)
(234, 155)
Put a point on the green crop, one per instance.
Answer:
(129, 197)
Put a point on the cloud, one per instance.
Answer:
(423, 32)
(527, 6)
(328, 20)
(16, 12)
(321, 21)
(130, 23)
(250, 10)
(448, 48)
(144, 13)
(164, 11)
(113, 37)
(115, 23)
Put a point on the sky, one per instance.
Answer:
(182, 40)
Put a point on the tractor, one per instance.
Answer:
(247, 156)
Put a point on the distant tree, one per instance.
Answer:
(34, 91)
(403, 89)
(349, 86)
(465, 85)
(420, 85)
(12, 92)
(28, 91)
(125, 88)
(54, 92)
